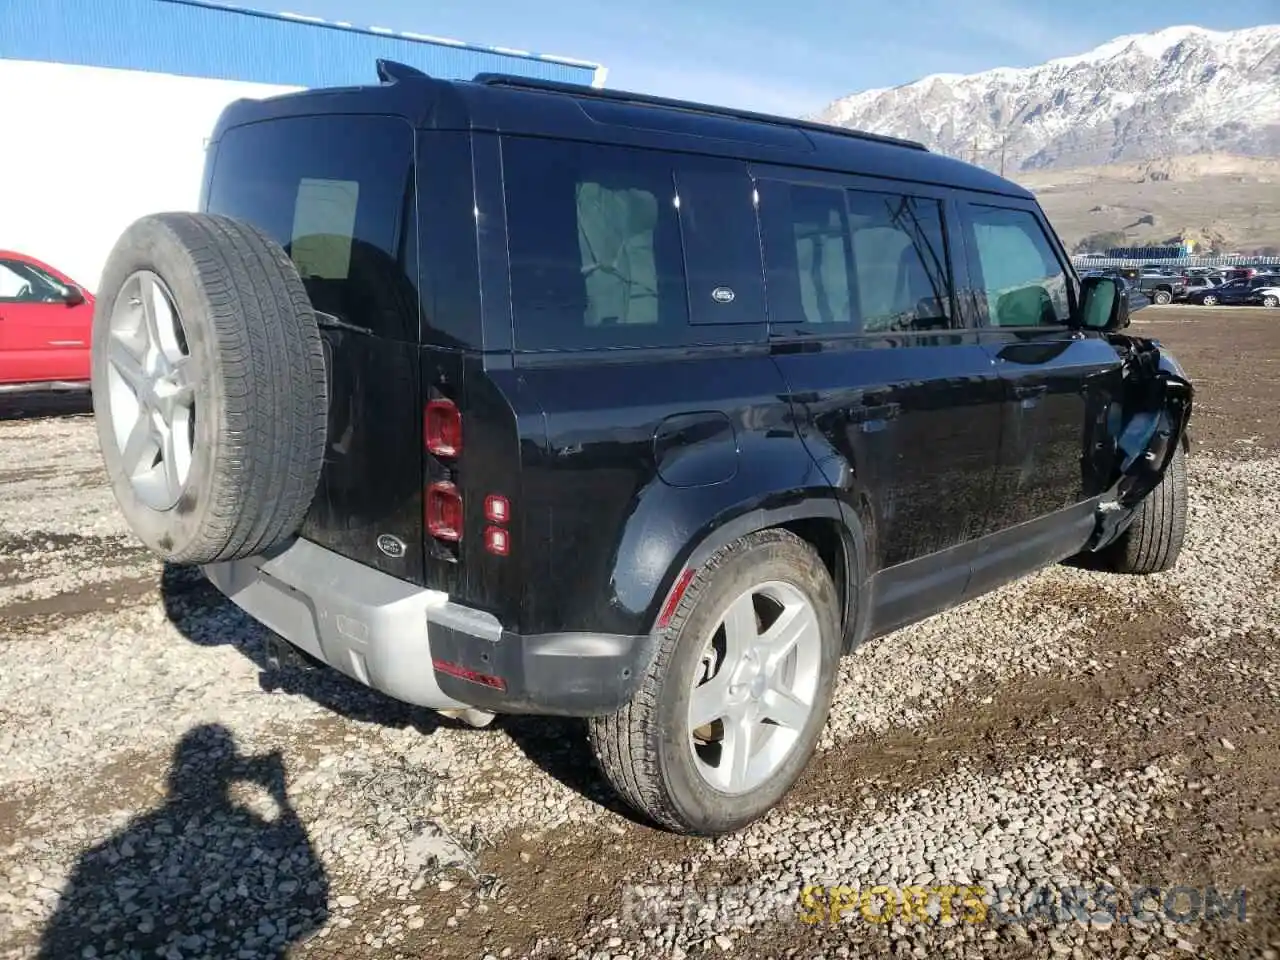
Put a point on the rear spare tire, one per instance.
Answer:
(209, 387)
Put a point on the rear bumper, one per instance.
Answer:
(418, 646)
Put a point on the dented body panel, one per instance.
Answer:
(1147, 424)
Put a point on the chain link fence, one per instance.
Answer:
(1099, 263)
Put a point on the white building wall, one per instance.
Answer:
(85, 151)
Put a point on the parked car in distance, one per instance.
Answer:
(1197, 283)
(45, 321)
(1240, 292)
(1267, 295)
(1161, 287)
(618, 407)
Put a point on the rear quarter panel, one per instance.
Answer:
(614, 514)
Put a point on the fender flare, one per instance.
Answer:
(854, 591)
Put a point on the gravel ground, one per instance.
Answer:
(1073, 733)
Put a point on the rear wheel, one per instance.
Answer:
(1209, 300)
(1162, 297)
(1271, 301)
(739, 689)
(1153, 540)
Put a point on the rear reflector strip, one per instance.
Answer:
(673, 601)
(463, 673)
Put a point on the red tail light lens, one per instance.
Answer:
(497, 509)
(497, 541)
(444, 511)
(442, 428)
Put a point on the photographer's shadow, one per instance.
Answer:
(208, 619)
(204, 873)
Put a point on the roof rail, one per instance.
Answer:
(623, 96)
(390, 71)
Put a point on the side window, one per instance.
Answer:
(619, 247)
(900, 260)
(337, 193)
(22, 283)
(808, 253)
(1022, 279)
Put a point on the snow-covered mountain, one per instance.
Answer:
(1182, 90)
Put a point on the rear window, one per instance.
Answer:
(337, 194)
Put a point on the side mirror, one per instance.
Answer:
(73, 296)
(1104, 304)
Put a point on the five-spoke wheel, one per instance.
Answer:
(730, 709)
(755, 692)
(151, 393)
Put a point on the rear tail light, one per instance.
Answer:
(442, 428)
(497, 509)
(444, 511)
(497, 541)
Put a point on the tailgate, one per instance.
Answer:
(336, 191)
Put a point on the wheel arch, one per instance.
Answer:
(825, 523)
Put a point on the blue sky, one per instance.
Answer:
(787, 56)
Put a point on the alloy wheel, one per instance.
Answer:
(757, 688)
(151, 390)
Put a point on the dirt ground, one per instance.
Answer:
(162, 795)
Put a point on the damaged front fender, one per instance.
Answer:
(1147, 421)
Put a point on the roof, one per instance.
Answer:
(200, 38)
(520, 106)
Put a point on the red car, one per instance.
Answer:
(45, 319)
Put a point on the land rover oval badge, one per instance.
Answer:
(722, 295)
(393, 547)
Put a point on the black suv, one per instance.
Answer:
(506, 396)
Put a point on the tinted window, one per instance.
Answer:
(23, 283)
(615, 247)
(337, 194)
(900, 262)
(594, 243)
(808, 253)
(1022, 280)
(721, 245)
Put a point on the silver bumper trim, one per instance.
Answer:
(365, 623)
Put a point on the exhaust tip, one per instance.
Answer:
(469, 715)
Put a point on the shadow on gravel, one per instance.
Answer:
(45, 403)
(208, 619)
(558, 746)
(203, 875)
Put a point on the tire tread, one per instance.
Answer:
(1154, 539)
(625, 743)
(267, 356)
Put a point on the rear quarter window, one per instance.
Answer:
(617, 247)
(337, 193)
